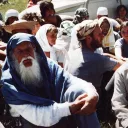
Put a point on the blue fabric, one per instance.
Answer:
(89, 66)
(14, 90)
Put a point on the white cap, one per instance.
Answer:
(10, 13)
(102, 11)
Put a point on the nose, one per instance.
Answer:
(25, 53)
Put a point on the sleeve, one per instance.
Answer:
(42, 115)
(115, 23)
(108, 63)
(119, 101)
(60, 56)
(118, 43)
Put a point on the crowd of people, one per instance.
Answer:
(63, 73)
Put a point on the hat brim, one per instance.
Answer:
(22, 25)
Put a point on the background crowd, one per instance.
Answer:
(94, 50)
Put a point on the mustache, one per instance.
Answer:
(26, 58)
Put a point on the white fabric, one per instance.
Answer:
(57, 52)
(114, 23)
(40, 115)
(109, 39)
(102, 11)
(10, 13)
(74, 40)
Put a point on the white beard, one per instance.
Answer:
(29, 75)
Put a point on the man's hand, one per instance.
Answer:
(83, 105)
(89, 105)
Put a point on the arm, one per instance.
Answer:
(119, 101)
(118, 53)
(41, 115)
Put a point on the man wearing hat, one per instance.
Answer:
(20, 26)
(86, 64)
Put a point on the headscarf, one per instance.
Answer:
(42, 38)
(109, 39)
(82, 29)
(85, 28)
(53, 83)
(43, 41)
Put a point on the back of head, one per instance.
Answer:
(44, 6)
(33, 17)
(80, 15)
(102, 11)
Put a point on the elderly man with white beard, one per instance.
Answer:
(41, 92)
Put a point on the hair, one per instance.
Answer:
(119, 7)
(52, 29)
(34, 1)
(7, 22)
(33, 17)
(124, 24)
(45, 5)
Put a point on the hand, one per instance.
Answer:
(89, 105)
(77, 104)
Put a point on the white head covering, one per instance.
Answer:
(109, 39)
(43, 41)
(10, 13)
(84, 28)
(42, 38)
(102, 11)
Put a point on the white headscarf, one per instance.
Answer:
(109, 39)
(42, 38)
(43, 41)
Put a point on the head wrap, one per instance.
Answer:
(109, 39)
(85, 28)
(102, 11)
(53, 84)
(43, 41)
(42, 38)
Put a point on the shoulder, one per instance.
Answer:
(119, 41)
(123, 68)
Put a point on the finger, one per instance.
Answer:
(82, 96)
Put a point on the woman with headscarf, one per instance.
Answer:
(110, 36)
(47, 36)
